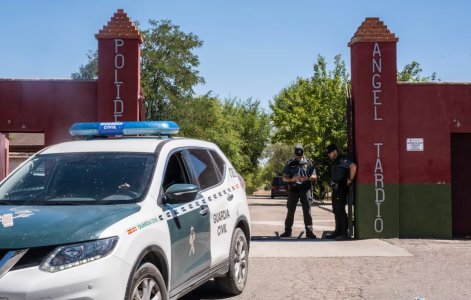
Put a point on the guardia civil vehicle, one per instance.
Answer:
(127, 211)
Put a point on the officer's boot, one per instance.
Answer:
(343, 230)
(336, 232)
(332, 235)
(310, 234)
(287, 233)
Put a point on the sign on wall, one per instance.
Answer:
(415, 144)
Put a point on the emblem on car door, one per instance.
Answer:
(192, 241)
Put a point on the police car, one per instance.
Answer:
(114, 216)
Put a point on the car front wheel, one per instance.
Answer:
(234, 281)
(147, 284)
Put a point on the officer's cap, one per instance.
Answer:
(298, 150)
(330, 148)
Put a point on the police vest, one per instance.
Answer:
(301, 167)
(340, 169)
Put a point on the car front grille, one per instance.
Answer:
(32, 258)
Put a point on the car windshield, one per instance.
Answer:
(79, 178)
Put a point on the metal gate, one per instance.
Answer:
(351, 155)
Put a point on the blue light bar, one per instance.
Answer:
(124, 128)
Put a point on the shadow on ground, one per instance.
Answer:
(209, 290)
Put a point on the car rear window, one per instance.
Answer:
(278, 181)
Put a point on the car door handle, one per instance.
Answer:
(204, 210)
(230, 197)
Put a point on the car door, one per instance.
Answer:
(209, 169)
(189, 226)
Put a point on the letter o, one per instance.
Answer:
(121, 60)
(379, 223)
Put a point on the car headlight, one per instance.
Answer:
(65, 257)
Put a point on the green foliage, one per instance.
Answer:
(239, 128)
(312, 112)
(276, 156)
(168, 67)
(412, 73)
(90, 70)
(252, 126)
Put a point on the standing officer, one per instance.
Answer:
(298, 173)
(343, 174)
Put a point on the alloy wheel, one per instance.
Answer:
(147, 289)
(240, 261)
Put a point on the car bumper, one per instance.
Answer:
(280, 193)
(102, 279)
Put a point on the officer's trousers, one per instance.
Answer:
(293, 198)
(339, 200)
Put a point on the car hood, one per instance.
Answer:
(36, 226)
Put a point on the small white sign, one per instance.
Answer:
(415, 144)
(7, 220)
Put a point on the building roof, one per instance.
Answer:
(120, 26)
(373, 30)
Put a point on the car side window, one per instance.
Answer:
(205, 170)
(175, 172)
(220, 163)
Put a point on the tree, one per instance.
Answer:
(168, 67)
(276, 155)
(240, 128)
(90, 70)
(412, 72)
(205, 118)
(312, 112)
(253, 127)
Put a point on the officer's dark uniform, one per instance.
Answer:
(299, 191)
(340, 172)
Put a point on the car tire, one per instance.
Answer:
(272, 195)
(234, 281)
(147, 284)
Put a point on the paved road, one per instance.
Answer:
(367, 269)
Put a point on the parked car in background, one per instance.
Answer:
(278, 187)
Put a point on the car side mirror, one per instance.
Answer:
(181, 193)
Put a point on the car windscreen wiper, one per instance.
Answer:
(62, 203)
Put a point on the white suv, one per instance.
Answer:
(142, 217)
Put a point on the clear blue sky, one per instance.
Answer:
(252, 48)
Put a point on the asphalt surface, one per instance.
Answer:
(366, 269)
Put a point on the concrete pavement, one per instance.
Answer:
(355, 269)
(268, 217)
(353, 248)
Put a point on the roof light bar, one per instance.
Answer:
(124, 128)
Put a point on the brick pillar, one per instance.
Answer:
(118, 70)
(4, 154)
(375, 100)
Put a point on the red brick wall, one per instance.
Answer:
(432, 112)
(49, 106)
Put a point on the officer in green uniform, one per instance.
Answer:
(343, 174)
(299, 173)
